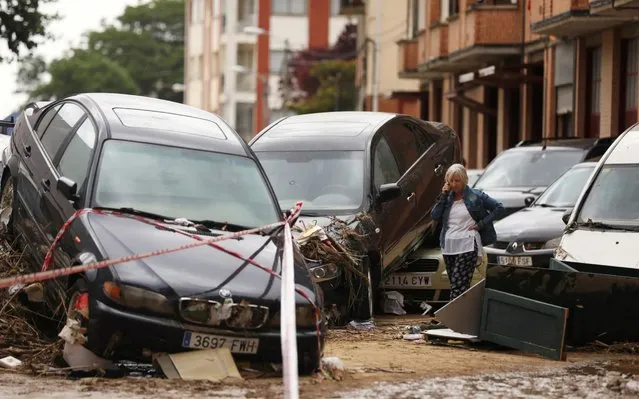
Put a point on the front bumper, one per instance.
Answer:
(534, 258)
(125, 335)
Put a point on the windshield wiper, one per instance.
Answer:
(224, 226)
(137, 212)
(600, 225)
(544, 205)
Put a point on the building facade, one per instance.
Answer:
(236, 51)
(501, 71)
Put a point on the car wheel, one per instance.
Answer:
(308, 362)
(7, 196)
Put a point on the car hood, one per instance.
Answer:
(534, 224)
(515, 198)
(195, 271)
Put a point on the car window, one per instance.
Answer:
(403, 144)
(75, 160)
(423, 139)
(46, 119)
(385, 169)
(60, 126)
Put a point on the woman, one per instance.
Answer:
(466, 218)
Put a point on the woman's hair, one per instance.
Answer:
(458, 170)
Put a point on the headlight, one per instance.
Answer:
(304, 317)
(324, 272)
(552, 244)
(137, 298)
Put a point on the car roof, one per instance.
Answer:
(574, 142)
(158, 121)
(340, 130)
(626, 150)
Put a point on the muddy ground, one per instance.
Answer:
(380, 364)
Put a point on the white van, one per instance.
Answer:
(603, 227)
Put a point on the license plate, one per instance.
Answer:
(514, 260)
(208, 341)
(407, 280)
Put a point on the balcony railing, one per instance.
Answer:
(483, 28)
(407, 55)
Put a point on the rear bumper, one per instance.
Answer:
(124, 335)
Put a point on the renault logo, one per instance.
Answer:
(225, 293)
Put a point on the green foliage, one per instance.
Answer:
(22, 24)
(85, 71)
(143, 54)
(336, 91)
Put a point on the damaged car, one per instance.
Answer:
(368, 181)
(155, 175)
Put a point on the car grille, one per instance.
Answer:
(501, 245)
(241, 315)
(422, 265)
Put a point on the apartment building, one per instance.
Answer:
(501, 71)
(236, 49)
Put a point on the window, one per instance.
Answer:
(629, 72)
(593, 91)
(244, 120)
(335, 7)
(60, 126)
(403, 142)
(276, 58)
(75, 160)
(384, 164)
(295, 7)
(613, 197)
(46, 119)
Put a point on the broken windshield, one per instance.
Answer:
(183, 183)
(324, 180)
(523, 168)
(613, 197)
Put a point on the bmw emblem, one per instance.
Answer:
(225, 293)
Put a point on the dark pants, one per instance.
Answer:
(460, 269)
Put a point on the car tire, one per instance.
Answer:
(308, 362)
(7, 208)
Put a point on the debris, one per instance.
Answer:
(394, 303)
(413, 337)
(425, 307)
(35, 292)
(364, 325)
(209, 364)
(333, 368)
(80, 358)
(10, 362)
(447, 333)
(72, 333)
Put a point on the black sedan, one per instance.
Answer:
(530, 236)
(185, 171)
(379, 173)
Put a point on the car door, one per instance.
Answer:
(73, 162)
(43, 152)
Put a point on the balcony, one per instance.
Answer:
(486, 35)
(407, 49)
(434, 55)
(352, 7)
(626, 9)
(569, 19)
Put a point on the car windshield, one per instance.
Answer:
(183, 183)
(613, 197)
(324, 180)
(563, 193)
(527, 168)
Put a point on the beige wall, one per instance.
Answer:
(393, 28)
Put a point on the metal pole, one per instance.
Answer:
(378, 35)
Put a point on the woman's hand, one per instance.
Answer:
(473, 227)
(446, 188)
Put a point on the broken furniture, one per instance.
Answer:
(544, 310)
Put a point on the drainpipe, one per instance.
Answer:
(378, 35)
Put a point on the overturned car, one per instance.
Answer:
(153, 174)
(368, 181)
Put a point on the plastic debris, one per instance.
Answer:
(394, 303)
(413, 337)
(361, 325)
(10, 362)
(333, 367)
(426, 308)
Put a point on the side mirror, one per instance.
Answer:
(529, 200)
(566, 216)
(68, 188)
(388, 192)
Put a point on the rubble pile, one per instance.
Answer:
(21, 335)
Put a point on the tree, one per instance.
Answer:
(149, 44)
(29, 75)
(85, 71)
(143, 54)
(299, 83)
(336, 88)
(22, 23)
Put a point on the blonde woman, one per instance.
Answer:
(466, 218)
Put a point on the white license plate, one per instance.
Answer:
(407, 280)
(208, 341)
(514, 260)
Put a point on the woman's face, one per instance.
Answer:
(456, 184)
